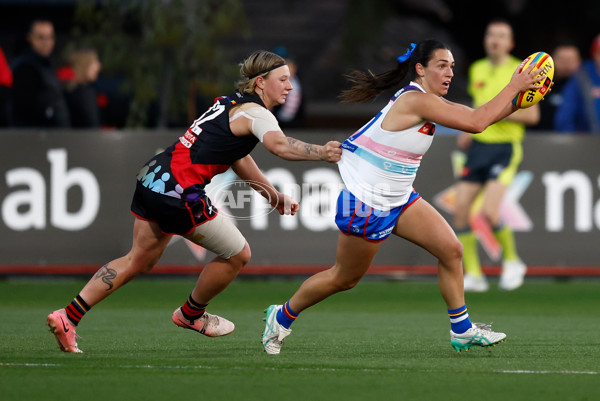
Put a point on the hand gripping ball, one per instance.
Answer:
(532, 96)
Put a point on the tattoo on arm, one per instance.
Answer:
(107, 275)
(308, 148)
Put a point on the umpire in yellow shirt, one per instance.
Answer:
(493, 158)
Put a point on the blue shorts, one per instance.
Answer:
(353, 217)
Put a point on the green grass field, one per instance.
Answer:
(382, 340)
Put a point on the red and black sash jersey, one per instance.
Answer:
(206, 149)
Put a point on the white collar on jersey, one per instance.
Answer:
(413, 83)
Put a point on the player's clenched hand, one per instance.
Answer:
(285, 204)
(331, 152)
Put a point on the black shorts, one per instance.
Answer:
(486, 161)
(174, 216)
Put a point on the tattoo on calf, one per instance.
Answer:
(107, 275)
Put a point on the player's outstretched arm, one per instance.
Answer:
(501, 105)
(453, 115)
(289, 148)
(247, 169)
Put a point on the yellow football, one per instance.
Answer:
(532, 96)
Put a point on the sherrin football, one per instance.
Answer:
(532, 96)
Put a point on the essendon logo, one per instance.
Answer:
(427, 129)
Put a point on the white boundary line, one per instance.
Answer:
(548, 372)
(316, 369)
(31, 365)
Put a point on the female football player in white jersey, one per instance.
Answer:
(378, 166)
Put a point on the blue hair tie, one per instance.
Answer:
(408, 53)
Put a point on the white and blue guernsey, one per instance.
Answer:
(379, 168)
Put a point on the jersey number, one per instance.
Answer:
(192, 133)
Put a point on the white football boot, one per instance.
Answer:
(274, 334)
(480, 335)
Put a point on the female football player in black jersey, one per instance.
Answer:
(170, 198)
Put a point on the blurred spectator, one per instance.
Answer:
(580, 108)
(78, 79)
(37, 98)
(567, 61)
(6, 81)
(291, 114)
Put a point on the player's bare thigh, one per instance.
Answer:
(423, 225)
(354, 256)
(149, 243)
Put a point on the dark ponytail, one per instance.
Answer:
(367, 86)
